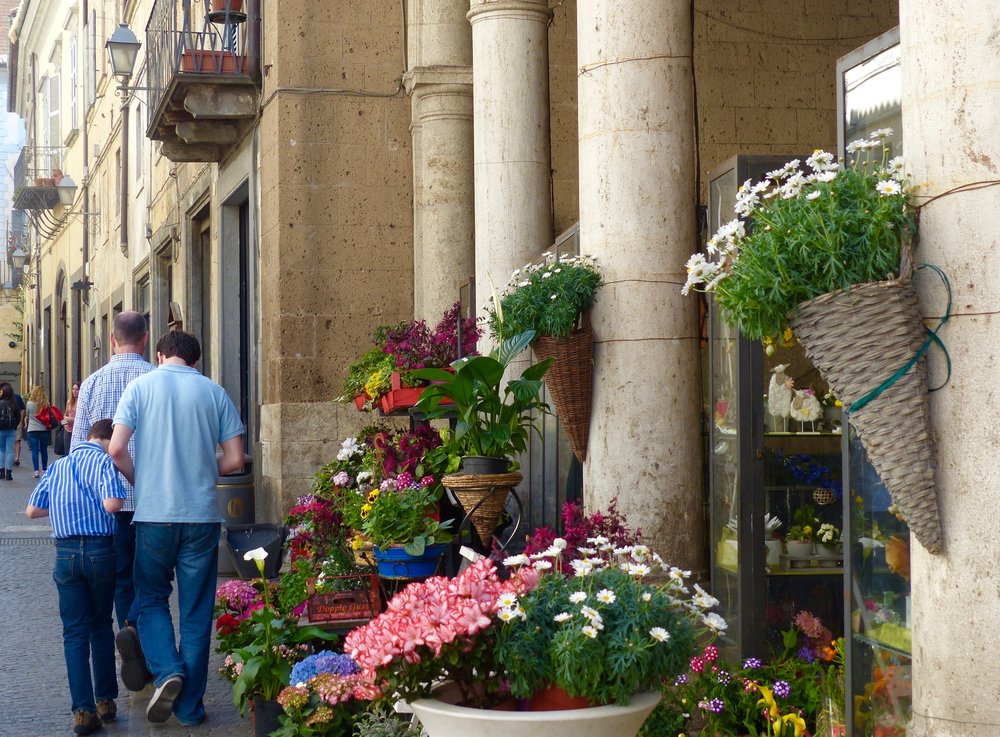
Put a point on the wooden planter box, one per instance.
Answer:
(337, 606)
(213, 62)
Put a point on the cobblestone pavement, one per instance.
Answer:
(34, 695)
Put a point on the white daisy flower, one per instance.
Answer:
(577, 597)
(606, 596)
(589, 631)
(506, 615)
(516, 560)
(582, 567)
(888, 187)
(702, 599)
(587, 551)
(560, 543)
(715, 623)
(659, 634)
(647, 596)
(814, 195)
(638, 569)
(507, 599)
(542, 565)
(599, 540)
(562, 617)
(589, 612)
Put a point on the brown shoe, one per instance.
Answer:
(86, 722)
(107, 710)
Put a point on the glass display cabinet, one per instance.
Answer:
(878, 572)
(772, 472)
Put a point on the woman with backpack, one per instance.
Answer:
(41, 417)
(10, 418)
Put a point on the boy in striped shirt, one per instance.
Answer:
(81, 493)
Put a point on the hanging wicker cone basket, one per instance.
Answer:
(489, 492)
(570, 381)
(857, 339)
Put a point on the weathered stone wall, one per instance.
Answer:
(766, 72)
(563, 110)
(336, 220)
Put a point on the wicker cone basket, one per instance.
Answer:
(489, 491)
(570, 382)
(857, 339)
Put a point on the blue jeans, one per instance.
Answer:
(192, 551)
(38, 441)
(85, 579)
(7, 448)
(126, 607)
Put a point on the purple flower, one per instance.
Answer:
(782, 690)
(716, 706)
(681, 680)
(752, 663)
(323, 662)
(806, 654)
(723, 677)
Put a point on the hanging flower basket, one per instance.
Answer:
(857, 338)
(570, 381)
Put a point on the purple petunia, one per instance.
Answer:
(752, 663)
(782, 690)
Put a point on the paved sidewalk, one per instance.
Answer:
(34, 695)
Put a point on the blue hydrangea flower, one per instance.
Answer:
(782, 690)
(323, 662)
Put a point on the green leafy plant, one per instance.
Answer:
(548, 298)
(490, 421)
(380, 721)
(801, 235)
(805, 524)
(402, 515)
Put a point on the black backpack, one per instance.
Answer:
(8, 414)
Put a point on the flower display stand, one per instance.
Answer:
(441, 719)
(483, 498)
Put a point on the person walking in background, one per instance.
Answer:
(178, 418)
(38, 427)
(80, 494)
(98, 398)
(10, 418)
(19, 433)
(70, 415)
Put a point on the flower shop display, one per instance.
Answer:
(381, 485)
(383, 376)
(493, 422)
(553, 299)
(326, 697)
(827, 254)
(262, 642)
(604, 634)
(783, 696)
(800, 542)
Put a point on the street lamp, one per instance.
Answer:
(123, 48)
(66, 190)
(19, 257)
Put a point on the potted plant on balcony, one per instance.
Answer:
(553, 299)
(492, 424)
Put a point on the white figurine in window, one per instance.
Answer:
(806, 407)
(779, 396)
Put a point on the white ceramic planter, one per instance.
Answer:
(447, 720)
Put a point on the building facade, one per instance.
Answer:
(295, 175)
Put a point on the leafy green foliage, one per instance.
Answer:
(490, 421)
(402, 518)
(807, 235)
(549, 298)
(609, 667)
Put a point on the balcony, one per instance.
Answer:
(36, 174)
(203, 66)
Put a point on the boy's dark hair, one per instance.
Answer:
(101, 430)
(180, 344)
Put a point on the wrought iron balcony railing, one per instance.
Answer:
(197, 42)
(36, 174)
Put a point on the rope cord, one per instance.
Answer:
(932, 337)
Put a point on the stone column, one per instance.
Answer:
(637, 217)
(951, 134)
(512, 156)
(440, 85)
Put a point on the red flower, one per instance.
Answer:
(227, 624)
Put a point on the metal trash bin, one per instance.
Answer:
(242, 538)
(235, 497)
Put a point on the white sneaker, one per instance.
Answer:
(37, 474)
(161, 705)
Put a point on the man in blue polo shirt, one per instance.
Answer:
(80, 493)
(178, 418)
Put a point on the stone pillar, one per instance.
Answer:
(512, 158)
(637, 217)
(440, 86)
(951, 133)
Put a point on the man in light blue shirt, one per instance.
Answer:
(178, 418)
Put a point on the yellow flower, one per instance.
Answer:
(807, 529)
(838, 403)
(787, 338)
(357, 543)
(372, 496)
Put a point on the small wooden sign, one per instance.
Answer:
(360, 602)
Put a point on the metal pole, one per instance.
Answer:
(123, 234)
